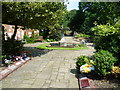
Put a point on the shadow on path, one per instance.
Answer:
(36, 52)
(74, 71)
(91, 45)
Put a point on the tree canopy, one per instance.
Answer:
(90, 13)
(37, 15)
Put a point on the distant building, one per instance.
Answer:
(9, 30)
(30, 32)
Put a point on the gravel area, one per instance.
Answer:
(113, 83)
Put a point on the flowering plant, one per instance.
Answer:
(86, 68)
(115, 71)
(84, 64)
(7, 61)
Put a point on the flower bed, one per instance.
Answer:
(12, 62)
(11, 59)
(100, 67)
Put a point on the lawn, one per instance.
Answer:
(43, 46)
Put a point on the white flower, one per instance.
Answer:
(91, 61)
(86, 68)
(92, 67)
(7, 61)
(16, 58)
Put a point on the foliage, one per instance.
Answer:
(98, 12)
(65, 20)
(81, 61)
(110, 43)
(81, 35)
(107, 38)
(103, 62)
(11, 47)
(55, 35)
(76, 20)
(79, 45)
(68, 17)
(72, 20)
(115, 71)
(29, 39)
(104, 30)
(50, 40)
(37, 15)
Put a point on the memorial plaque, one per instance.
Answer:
(18, 63)
(12, 67)
(5, 71)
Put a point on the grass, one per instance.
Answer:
(43, 46)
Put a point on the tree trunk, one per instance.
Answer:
(3, 34)
(15, 32)
(46, 33)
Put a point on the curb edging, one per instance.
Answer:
(4, 73)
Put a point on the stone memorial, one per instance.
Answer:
(63, 41)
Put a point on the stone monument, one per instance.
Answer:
(63, 41)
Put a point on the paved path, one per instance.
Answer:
(47, 69)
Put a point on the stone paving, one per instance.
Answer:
(47, 69)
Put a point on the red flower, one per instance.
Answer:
(23, 51)
(28, 51)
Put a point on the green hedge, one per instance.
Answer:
(103, 62)
(29, 39)
(110, 43)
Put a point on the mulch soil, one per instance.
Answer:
(107, 82)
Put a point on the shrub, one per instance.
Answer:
(50, 40)
(79, 45)
(103, 62)
(115, 71)
(110, 43)
(81, 61)
(55, 35)
(11, 47)
(81, 35)
(29, 39)
(108, 38)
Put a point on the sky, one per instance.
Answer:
(73, 4)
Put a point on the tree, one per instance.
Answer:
(37, 15)
(71, 20)
(98, 12)
(65, 20)
(76, 20)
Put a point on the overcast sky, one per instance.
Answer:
(73, 4)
